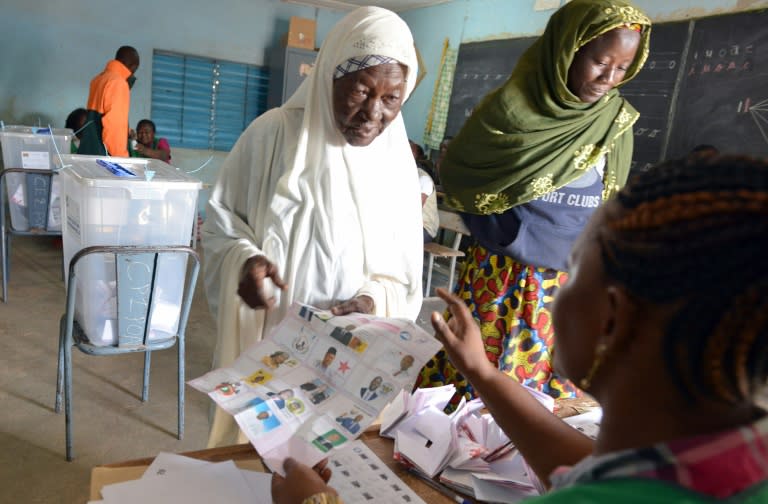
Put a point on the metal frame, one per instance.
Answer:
(71, 334)
(6, 226)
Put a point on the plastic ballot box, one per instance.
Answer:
(33, 199)
(125, 201)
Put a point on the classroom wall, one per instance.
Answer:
(51, 50)
(474, 20)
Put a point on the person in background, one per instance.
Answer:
(109, 102)
(421, 158)
(677, 369)
(527, 169)
(430, 217)
(440, 156)
(76, 121)
(146, 145)
(297, 211)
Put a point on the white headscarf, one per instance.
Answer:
(337, 198)
(338, 221)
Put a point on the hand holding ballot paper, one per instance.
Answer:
(317, 381)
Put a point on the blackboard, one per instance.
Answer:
(652, 91)
(481, 67)
(705, 81)
(723, 97)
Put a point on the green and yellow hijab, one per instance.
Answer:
(532, 135)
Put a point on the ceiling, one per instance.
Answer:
(344, 5)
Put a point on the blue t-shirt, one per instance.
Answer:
(541, 232)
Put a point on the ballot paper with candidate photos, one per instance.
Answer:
(318, 380)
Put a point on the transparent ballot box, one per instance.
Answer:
(124, 201)
(33, 198)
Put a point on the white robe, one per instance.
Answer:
(338, 221)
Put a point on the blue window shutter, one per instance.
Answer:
(202, 103)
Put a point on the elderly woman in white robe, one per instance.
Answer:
(318, 201)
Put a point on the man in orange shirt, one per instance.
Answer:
(110, 98)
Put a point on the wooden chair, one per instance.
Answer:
(146, 280)
(450, 221)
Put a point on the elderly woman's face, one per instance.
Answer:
(366, 101)
(602, 64)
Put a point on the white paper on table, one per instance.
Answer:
(359, 475)
(432, 396)
(260, 484)
(491, 491)
(458, 479)
(220, 482)
(293, 447)
(411, 403)
(170, 463)
(510, 469)
(393, 413)
(588, 423)
(426, 440)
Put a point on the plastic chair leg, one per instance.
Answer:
(429, 274)
(181, 388)
(145, 381)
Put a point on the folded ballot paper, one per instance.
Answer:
(467, 448)
(318, 380)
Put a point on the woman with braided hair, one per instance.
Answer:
(665, 324)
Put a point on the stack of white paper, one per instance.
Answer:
(358, 476)
(175, 478)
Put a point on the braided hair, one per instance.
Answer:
(693, 233)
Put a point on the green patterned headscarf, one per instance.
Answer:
(533, 135)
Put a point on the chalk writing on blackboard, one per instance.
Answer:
(759, 113)
(731, 59)
(722, 98)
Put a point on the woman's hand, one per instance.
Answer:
(300, 482)
(461, 337)
(359, 304)
(251, 287)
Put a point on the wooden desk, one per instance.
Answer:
(246, 457)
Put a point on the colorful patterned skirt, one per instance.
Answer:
(512, 302)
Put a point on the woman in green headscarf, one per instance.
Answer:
(528, 169)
